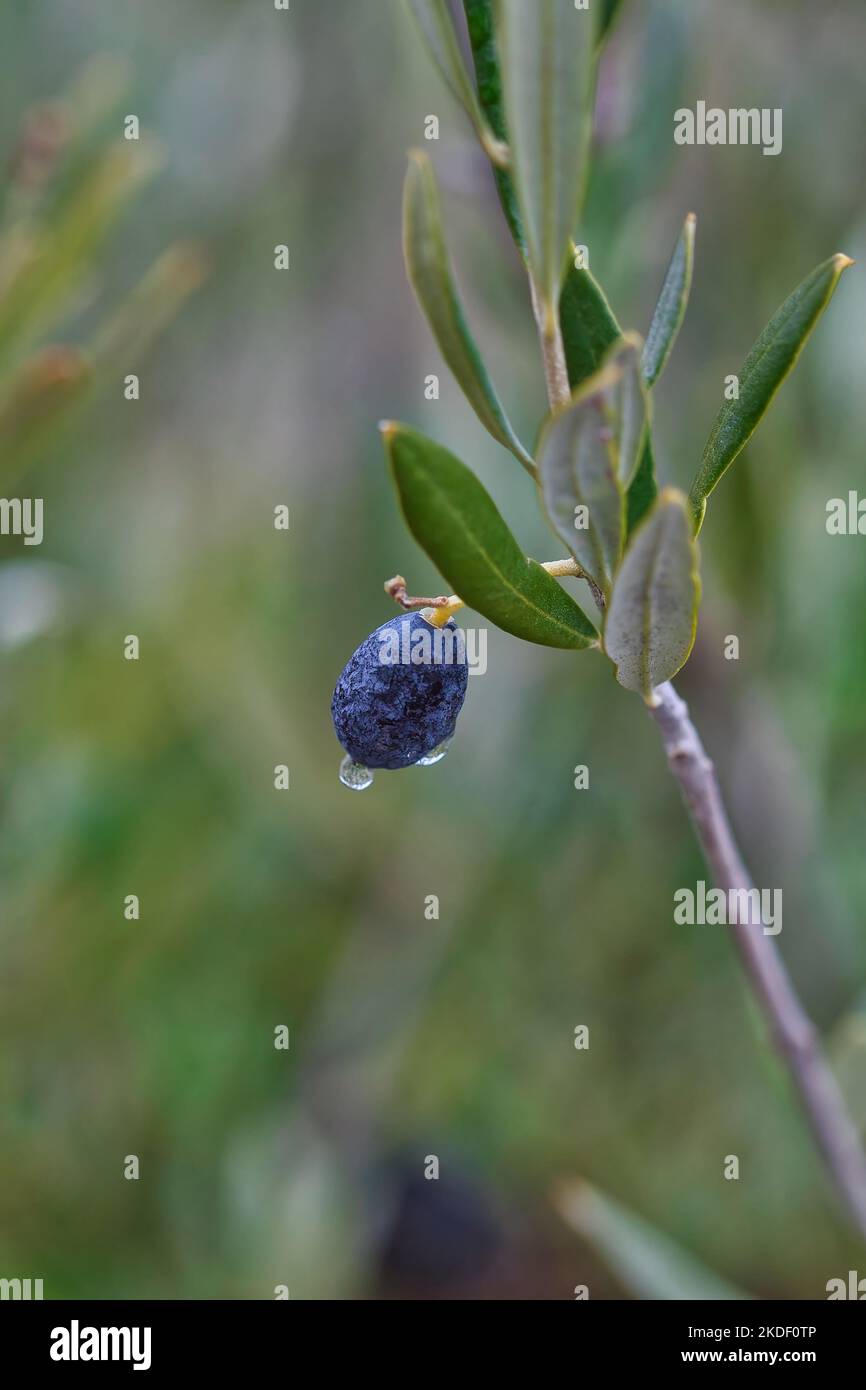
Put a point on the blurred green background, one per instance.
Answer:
(409, 1037)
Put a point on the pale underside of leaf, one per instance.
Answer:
(629, 405)
(429, 272)
(578, 476)
(652, 615)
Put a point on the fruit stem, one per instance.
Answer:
(437, 611)
(438, 617)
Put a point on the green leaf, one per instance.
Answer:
(653, 611)
(589, 330)
(671, 307)
(577, 467)
(589, 327)
(547, 50)
(488, 75)
(629, 406)
(771, 359)
(437, 26)
(587, 456)
(430, 275)
(648, 1262)
(456, 521)
(644, 489)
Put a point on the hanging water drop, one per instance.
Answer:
(435, 755)
(354, 775)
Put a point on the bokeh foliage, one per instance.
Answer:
(409, 1037)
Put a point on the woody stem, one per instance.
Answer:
(790, 1028)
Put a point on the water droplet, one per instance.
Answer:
(435, 755)
(355, 775)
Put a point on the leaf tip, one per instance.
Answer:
(842, 262)
(387, 429)
(418, 168)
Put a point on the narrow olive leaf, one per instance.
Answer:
(488, 76)
(456, 521)
(589, 330)
(437, 26)
(671, 307)
(587, 456)
(430, 275)
(643, 490)
(588, 323)
(649, 1264)
(629, 406)
(771, 359)
(547, 50)
(653, 611)
(578, 476)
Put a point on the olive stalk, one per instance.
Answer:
(552, 349)
(446, 605)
